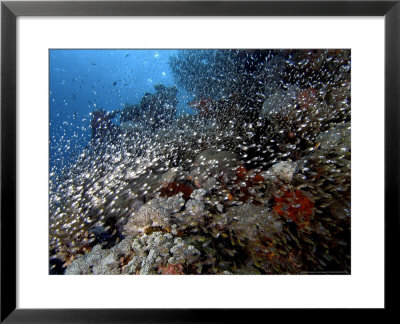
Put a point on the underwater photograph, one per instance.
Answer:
(199, 161)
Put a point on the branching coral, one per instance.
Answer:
(149, 253)
(157, 252)
(100, 261)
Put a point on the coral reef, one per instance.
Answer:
(283, 170)
(256, 181)
(159, 252)
(100, 261)
(215, 73)
(213, 163)
(154, 110)
(150, 252)
(156, 213)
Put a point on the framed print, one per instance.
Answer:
(197, 160)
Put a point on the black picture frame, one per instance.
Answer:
(10, 10)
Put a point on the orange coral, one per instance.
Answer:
(294, 205)
(241, 172)
(174, 188)
(257, 178)
(171, 269)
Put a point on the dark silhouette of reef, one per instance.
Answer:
(154, 110)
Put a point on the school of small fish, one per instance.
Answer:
(256, 181)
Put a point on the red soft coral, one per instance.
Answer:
(294, 205)
(172, 269)
(174, 188)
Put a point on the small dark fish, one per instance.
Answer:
(114, 83)
(127, 55)
(93, 63)
(100, 233)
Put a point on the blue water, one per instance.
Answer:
(82, 81)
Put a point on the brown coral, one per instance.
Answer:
(148, 216)
(173, 188)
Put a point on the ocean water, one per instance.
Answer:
(82, 81)
(199, 161)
